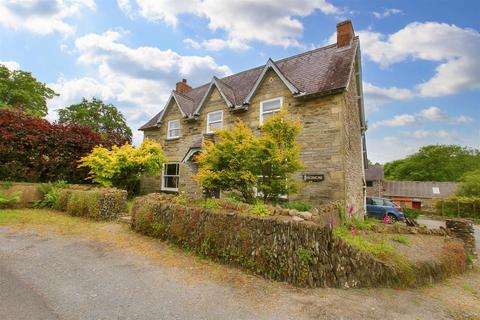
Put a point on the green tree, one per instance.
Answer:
(278, 156)
(20, 91)
(104, 119)
(241, 161)
(121, 167)
(228, 164)
(434, 163)
(470, 184)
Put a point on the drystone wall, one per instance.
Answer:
(463, 230)
(28, 193)
(301, 253)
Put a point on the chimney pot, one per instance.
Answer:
(345, 33)
(182, 86)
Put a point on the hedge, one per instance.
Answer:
(465, 207)
(96, 203)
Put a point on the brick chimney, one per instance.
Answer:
(182, 86)
(345, 33)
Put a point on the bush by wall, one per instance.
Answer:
(304, 254)
(34, 150)
(456, 206)
(94, 203)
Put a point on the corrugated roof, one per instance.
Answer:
(321, 70)
(419, 189)
(374, 173)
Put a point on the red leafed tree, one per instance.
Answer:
(35, 150)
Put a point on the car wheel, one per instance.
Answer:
(391, 218)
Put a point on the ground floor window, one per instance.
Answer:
(170, 176)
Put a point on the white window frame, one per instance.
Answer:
(213, 122)
(171, 129)
(164, 188)
(262, 113)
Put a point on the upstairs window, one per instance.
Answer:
(170, 176)
(173, 129)
(214, 121)
(269, 107)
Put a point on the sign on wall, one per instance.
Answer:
(313, 177)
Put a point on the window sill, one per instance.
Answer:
(172, 139)
(169, 191)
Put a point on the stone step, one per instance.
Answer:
(125, 219)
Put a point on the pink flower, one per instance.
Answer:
(385, 219)
(350, 211)
(353, 231)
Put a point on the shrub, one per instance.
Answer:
(298, 205)
(97, 203)
(259, 209)
(7, 199)
(50, 194)
(411, 213)
(34, 150)
(240, 161)
(121, 167)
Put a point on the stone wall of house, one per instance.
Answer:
(353, 150)
(321, 139)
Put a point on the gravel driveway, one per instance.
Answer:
(55, 277)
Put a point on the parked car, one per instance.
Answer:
(379, 207)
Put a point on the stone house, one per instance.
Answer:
(374, 177)
(322, 88)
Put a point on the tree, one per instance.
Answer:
(121, 167)
(22, 92)
(434, 163)
(104, 119)
(241, 161)
(35, 150)
(279, 157)
(229, 164)
(470, 184)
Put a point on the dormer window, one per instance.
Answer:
(173, 129)
(269, 107)
(214, 121)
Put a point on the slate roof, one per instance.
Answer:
(318, 71)
(374, 173)
(419, 189)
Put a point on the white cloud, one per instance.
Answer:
(433, 114)
(216, 44)
(422, 134)
(137, 80)
(11, 65)
(396, 121)
(270, 21)
(454, 48)
(461, 119)
(387, 13)
(41, 17)
(375, 96)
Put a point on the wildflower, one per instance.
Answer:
(353, 231)
(350, 211)
(385, 219)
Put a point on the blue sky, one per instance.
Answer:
(421, 69)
